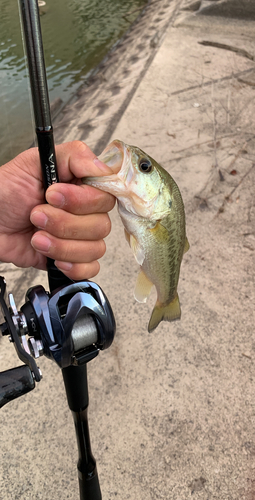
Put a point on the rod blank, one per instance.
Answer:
(33, 42)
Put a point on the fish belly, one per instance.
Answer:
(155, 251)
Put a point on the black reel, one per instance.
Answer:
(69, 326)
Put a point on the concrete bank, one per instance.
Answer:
(94, 112)
(171, 413)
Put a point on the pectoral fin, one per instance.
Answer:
(159, 232)
(143, 287)
(170, 312)
(135, 247)
(127, 236)
(137, 250)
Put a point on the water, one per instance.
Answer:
(76, 36)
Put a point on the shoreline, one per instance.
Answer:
(92, 114)
(58, 105)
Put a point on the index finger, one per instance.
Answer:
(79, 200)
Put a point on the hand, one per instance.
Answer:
(73, 223)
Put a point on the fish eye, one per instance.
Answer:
(145, 166)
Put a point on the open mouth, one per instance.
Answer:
(116, 156)
(113, 155)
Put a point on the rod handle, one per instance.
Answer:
(48, 161)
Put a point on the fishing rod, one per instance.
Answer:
(73, 322)
(29, 13)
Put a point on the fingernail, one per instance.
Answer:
(55, 198)
(39, 219)
(101, 165)
(41, 243)
(64, 266)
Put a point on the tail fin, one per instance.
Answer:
(170, 312)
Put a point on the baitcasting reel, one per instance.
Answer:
(69, 326)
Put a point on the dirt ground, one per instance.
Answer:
(172, 413)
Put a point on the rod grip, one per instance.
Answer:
(56, 278)
(48, 161)
(75, 379)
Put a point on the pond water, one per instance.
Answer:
(77, 34)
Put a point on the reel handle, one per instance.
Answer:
(14, 383)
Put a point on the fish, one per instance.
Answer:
(151, 208)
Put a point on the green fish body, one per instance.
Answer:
(152, 211)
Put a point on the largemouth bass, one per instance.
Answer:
(152, 211)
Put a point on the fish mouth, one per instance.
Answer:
(117, 156)
(113, 155)
(122, 183)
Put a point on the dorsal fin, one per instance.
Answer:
(186, 246)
